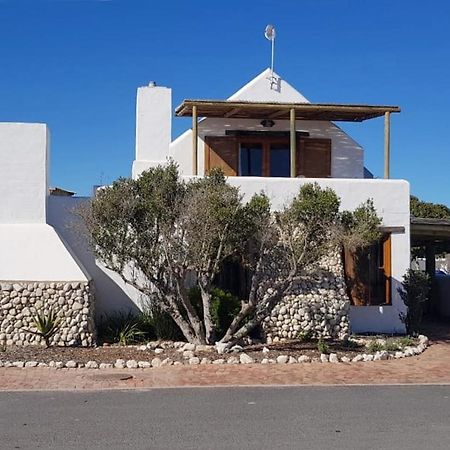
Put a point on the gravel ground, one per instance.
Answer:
(109, 354)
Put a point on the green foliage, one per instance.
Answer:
(305, 335)
(392, 345)
(428, 210)
(323, 347)
(414, 293)
(159, 325)
(46, 324)
(360, 227)
(121, 328)
(224, 307)
(375, 346)
(405, 341)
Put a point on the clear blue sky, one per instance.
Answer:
(76, 64)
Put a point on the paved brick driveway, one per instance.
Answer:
(433, 366)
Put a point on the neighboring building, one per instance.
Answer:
(266, 137)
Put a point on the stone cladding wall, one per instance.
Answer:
(73, 302)
(318, 306)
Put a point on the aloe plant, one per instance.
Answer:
(47, 325)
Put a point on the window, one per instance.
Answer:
(251, 160)
(280, 160)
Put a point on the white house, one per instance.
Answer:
(267, 136)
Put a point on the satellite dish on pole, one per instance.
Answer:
(270, 34)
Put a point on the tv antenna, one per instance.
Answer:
(270, 34)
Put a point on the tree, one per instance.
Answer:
(158, 231)
(428, 210)
(287, 245)
(155, 231)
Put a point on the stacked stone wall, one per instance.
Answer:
(317, 305)
(73, 303)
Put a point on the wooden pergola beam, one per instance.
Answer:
(293, 136)
(387, 145)
(232, 112)
(194, 141)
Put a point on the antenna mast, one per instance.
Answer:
(270, 34)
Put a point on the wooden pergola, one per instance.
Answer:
(285, 111)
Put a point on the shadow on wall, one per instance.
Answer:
(111, 293)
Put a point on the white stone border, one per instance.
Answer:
(243, 358)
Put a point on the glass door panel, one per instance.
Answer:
(279, 160)
(251, 160)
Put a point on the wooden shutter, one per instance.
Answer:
(314, 158)
(368, 274)
(222, 152)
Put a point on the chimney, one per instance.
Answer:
(153, 127)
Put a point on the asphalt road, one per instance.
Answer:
(415, 417)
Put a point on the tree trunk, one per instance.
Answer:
(207, 319)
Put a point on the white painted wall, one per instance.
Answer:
(30, 249)
(23, 172)
(111, 293)
(347, 156)
(391, 199)
(153, 127)
(35, 252)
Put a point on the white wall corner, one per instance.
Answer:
(153, 127)
(24, 153)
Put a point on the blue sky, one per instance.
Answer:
(76, 65)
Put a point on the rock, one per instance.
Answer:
(218, 361)
(345, 359)
(205, 361)
(91, 365)
(131, 364)
(324, 358)
(204, 348)
(71, 364)
(119, 364)
(188, 354)
(221, 348)
(265, 361)
(166, 362)
(245, 359)
(304, 359)
(368, 357)
(77, 306)
(188, 346)
(60, 365)
(31, 364)
(265, 350)
(144, 364)
(158, 351)
(18, 364)
(282, 359)
(333, 358)
(142, 348)
(156, 362)
(232, 360)
(194, 361)
(292, 360)
(236, 348)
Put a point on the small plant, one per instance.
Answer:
(405, 341)
(305, 335)
(121, 328)
(375, 346)
(414, 293)
(323, 347)
(392, 346)
(47, 325)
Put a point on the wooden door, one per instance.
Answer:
(314, 158)
(222, 152)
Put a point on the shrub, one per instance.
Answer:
(350, 344)
(47, 325)
(160, 325)
(322, 347)
(392, 346)
(120, 328)
(305, 335)
(405, 341)
(224, 307)
(414, 293)
(375, 346)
